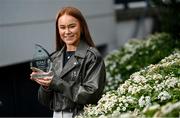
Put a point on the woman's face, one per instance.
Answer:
(69, 29)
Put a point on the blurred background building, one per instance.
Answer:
(23, 23)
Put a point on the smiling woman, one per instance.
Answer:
(69, 30)
(24, 23)
(78, 68)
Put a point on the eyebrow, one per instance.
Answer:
(68, 24)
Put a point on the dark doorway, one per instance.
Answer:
(18, 94)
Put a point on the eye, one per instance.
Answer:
(72, 26)
(61, 27)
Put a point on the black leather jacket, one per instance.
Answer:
(81, 81)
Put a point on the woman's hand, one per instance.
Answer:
(41, 77)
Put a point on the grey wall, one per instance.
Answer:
(26, 22)
(132, 29)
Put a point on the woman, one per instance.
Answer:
(79, 70)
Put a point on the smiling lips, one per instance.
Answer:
(68, 37)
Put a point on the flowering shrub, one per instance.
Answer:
(144, 94)
(167, 110)
(134, 55)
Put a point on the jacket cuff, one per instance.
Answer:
(43, 88)
(56, 85)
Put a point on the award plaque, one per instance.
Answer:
(41, 59)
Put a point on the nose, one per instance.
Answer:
(67, 31)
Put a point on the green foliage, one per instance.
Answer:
(135, 55)
(151, 92)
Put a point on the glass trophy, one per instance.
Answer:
(41, 59)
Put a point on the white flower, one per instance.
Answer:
(144, 88)
(102, 116)
(124, 109)
(118, 77)
(133, 89)
(129, 67)
(171, 82)
(144, 101)
(141, 101)
(125, 58)
(139, 79)
(159, 87)
(124, 87)
(168, 109)
(148, 100)
(151, 108)
(121, 90)
(127, 115)
(130, 99)
(178, 84)
(115, 114)
(164, 96)
(157, 77)
(112, 67)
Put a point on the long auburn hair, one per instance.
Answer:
(85, 34)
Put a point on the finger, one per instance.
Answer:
(38, 81)
(36, 69)
(48, 78)
(39, 75)
(42, 80)
(43, 83)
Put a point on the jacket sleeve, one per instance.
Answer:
(90, 89)
(45, 96)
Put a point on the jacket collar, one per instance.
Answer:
(80, 52)
(81, 49)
